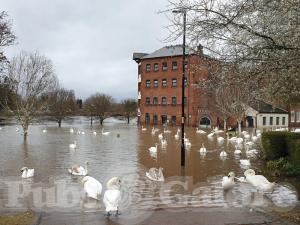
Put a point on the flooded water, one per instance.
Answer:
(124, 153)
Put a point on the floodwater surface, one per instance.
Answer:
(124, 153)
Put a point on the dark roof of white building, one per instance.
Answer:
(263, 107)
(167, 51)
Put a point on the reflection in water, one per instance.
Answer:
(124, 152)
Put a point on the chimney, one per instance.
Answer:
(200, 50)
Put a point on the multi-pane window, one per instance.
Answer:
(147, 83)
(147, 100)
(174, 82)
(292, 116)
(283, 120)
(271, 120)
(174, 65)
(164, 82)
(155, 100)
(174, 101)
(277, 120)
(155, 83)
(185, 101)
(155, 119)
(147, 118)
(164, 100)
(297, 116)
(155, 66)
(185, 81)
(173, 120)
(264, 120)
(148, 68)
(164, 66)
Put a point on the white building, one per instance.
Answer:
(263, 115)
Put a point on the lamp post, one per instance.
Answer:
(183, 11)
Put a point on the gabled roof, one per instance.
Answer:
(172, 50)
(263, 107)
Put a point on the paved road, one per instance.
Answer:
(199, 216)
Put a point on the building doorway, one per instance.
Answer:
(164, 119)
(205, 122)
(250, 121)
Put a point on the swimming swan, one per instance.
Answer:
(79, 170)
(155, 174)
(258, 181)
(27, 173)
(91, 187)
(112, 196)
(202, 149)
(228, 181)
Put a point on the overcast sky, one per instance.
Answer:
(90, 42)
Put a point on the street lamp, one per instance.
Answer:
(183, 11)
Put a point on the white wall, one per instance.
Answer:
(274, 115)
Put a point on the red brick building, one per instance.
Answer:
(294, 116)
(160, 85)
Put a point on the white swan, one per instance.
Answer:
(187, 143)
(198, 131)
(163, 142)
(254, 138)
(73, 145)
(95, 133)
(160, 136)
(258, 181)
(112, 196)
(176, 136)
(247, 136)
(104, 133)
(79, 170)
(71, 130)
(251, 152)
(239, 140)
(92, 187)
(44, 131)
(228, 181)
(167, 131)
(27, 173)
(202, 149)
(144, 128)
(223, 154)
(245, 162)
(82, 132)
(155, 174)
(210, 135)
(153, 149)
(237, 151)
(220, 139)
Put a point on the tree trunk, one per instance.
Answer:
(91, 120)
(25, 125)
(128, 119)
(225, 124)
(59, 122)
(240, 126)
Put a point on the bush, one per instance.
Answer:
(281, 144)
(284, 166)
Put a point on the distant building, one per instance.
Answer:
(295, 116)
(263, 115)
(160, 85)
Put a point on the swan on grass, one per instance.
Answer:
(27, 173)
(104, 133)
(73, 145)
(79, 170)
(228, 181)
(155, 174)
(92, 187)
(112, 196)
(202, 149)
(258, 181)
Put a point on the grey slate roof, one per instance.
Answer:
(137, 56)
(173, 50)
(263, 107)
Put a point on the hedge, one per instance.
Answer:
(277, 144)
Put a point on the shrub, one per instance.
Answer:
(284, 166)
(274, 144)
(294, 150)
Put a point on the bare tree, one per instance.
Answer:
(129, 107)
(31, 76)
(62, 103)
(261, 36)
(98, 105)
